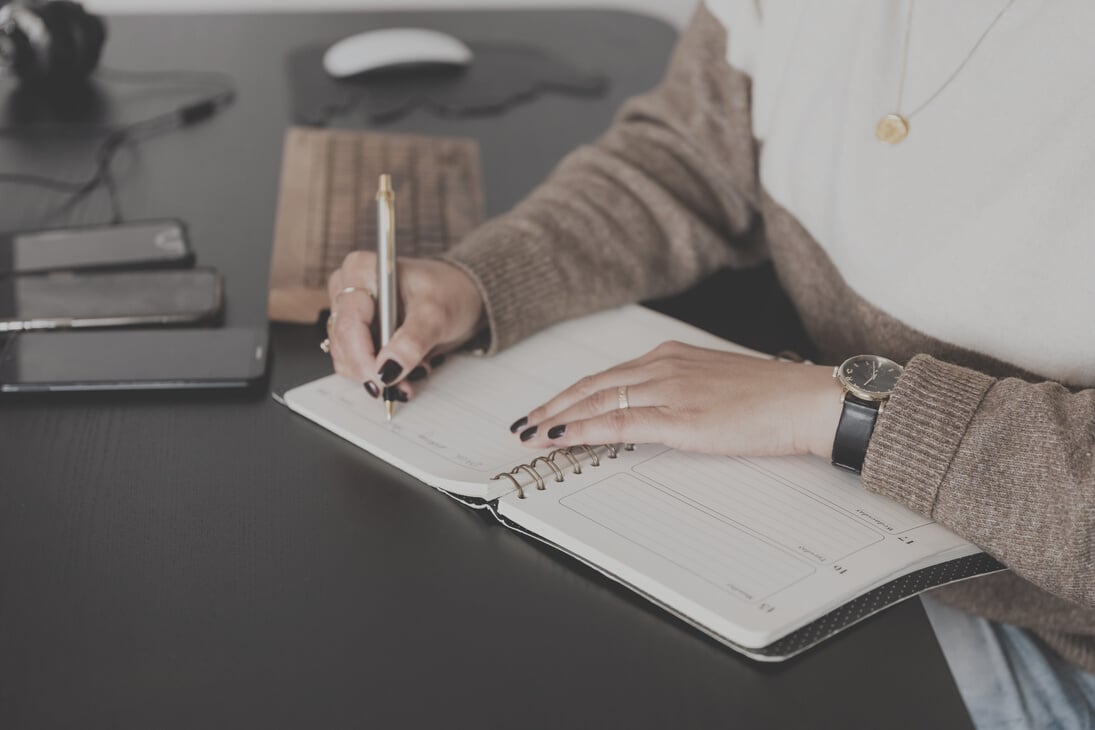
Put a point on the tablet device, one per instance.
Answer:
(161, 359)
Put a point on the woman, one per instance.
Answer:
(920, 176)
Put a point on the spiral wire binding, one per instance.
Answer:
(551, 465)
(517, 484)
(556, 471)
(535, 475)
(566, 452)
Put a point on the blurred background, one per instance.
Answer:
(672, 11)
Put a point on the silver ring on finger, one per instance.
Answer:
(621, 397)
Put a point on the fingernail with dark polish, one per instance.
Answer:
(437, 361)
(556, 431)
(371, 389)
(518, 424)
(528, 433)
(390, 372)
(417, 374)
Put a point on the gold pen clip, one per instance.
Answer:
(385, 196)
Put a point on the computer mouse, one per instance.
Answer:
(375, 50)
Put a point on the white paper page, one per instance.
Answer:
(749, 548)
(455, 433)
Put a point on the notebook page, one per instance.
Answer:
(749, 548)
(455, 433)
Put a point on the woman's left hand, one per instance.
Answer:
(695, 399)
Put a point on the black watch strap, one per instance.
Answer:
(853, 433)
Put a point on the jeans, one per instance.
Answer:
(1008, 678)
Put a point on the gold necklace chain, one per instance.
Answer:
(893, 128)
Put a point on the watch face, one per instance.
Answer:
(870, 376)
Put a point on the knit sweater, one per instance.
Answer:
(993, 438)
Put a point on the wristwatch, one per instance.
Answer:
(868, 381)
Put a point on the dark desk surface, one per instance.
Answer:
(172, 561)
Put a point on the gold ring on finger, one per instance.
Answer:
(621, 396)
(349, 289)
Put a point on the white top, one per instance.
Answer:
(979, 228)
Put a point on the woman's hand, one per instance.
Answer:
(695, 399)
(442, 309)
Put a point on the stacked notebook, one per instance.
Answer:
(767, 555)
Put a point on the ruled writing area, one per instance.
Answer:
(761, 503)
(463, 411)
(456, 428)
(471, 435)
(841, 489)
(706, 545)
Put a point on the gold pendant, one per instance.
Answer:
(892, 128)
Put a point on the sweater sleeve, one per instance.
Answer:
(666, 196)
(1006, 464)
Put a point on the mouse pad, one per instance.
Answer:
(499, 77)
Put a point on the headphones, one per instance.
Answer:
(52, 42)
(53, 46)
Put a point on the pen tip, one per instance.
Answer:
(389, 408)
(385, 183)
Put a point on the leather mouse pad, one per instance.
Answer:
(499, 77)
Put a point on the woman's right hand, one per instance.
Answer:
(441, 310)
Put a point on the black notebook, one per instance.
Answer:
(767, 555)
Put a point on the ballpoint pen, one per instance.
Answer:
(387, 298)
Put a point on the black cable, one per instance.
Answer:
(115, 138)
(206, 78)
(221, 83)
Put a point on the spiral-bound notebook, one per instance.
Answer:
(767, 555)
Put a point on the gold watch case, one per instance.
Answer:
(868, 377)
